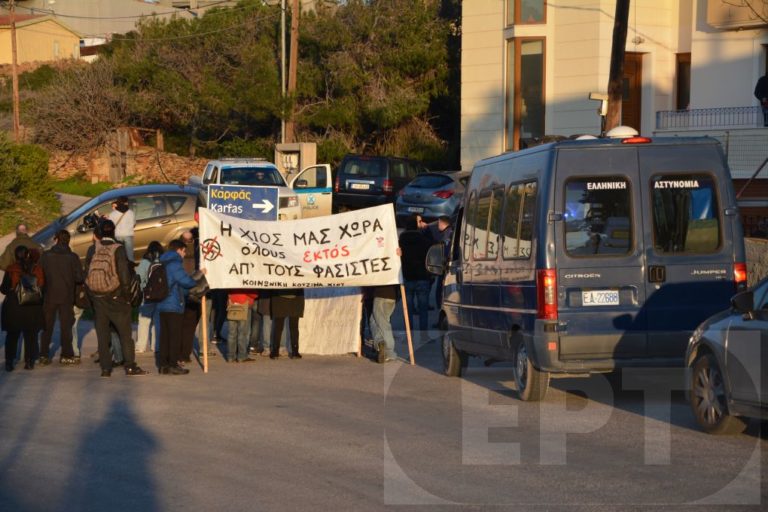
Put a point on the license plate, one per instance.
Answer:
(415, 209)
(359, 186)
(600, 298)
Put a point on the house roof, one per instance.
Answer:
(23, 20)
(5, 19)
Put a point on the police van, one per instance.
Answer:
(586, 256)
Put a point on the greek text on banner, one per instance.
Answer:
(348, 249)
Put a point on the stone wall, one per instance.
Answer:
(757, 259)
(142, 165)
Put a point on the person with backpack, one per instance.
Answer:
(149, 317)
(18, 318)
(63, 271)
(172, 309)
(108, 279)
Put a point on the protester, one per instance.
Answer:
(414, 245)
(286, 303)
(18, 319)
(125, 222)
(149, 317)
(172, 309)
(239, 326)
(761, 93)
(192, 308)
(106, 265)
(22, 238)
(441, 232)
(384, 298)
(63, 272)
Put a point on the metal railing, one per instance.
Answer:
(704, 118)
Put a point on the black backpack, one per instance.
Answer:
(157, 283)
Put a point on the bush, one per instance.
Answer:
(26, 192)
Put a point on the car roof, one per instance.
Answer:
(157, 188)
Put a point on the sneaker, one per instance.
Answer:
(106, 373)
(68, 361)
(246, 360)
(44, 361)
(177, 370)
(135, 370)
(381, 355)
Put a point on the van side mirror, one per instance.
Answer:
(744, 303)
(435, 260)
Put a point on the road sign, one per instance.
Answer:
(245, 202)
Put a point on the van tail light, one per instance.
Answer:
(740, 276)
(546, 288)
(388, 187)
(197, 216)
(443, 194)
(337, 184)
(636, 140)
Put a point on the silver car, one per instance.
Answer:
(727, 359)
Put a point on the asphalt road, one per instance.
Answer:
(345, 433)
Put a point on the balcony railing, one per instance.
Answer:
(708, 118)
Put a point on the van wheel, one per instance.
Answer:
(454, 360)
(709, 401)
(532, 384)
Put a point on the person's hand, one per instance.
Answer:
(204, 270)
(399, 252)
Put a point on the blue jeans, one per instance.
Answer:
(149, 323)
(381, 327)
(75, 339)
(417, 295)
(237, 338)
(127, 241)
(261, 329)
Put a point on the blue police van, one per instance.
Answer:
(586, 256)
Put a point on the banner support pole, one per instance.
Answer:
(203, 304)
(407, 324)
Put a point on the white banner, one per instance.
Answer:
(347, 249)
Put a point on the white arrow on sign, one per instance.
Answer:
(265, 206)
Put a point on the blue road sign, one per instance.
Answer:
(245, 202)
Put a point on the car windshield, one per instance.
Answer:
(364, 168)
(81, 210)
(430, 181)
(251, 176)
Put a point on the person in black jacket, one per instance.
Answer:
(113, 307)
(761, 93)
(286, 303)
(415, 244)
(62, 271)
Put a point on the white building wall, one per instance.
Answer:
(482, 80)
(725, 65)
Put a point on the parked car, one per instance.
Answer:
(432, 195)
(163, 212)
(363, 181)
(307, 195)
(727, 359)
(589, 256)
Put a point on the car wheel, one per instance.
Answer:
(454, 360)
(709, 401)
(532, 384)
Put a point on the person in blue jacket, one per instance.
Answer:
(172, 308)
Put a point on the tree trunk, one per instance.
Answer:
(292, 64)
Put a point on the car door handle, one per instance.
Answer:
(165, 221)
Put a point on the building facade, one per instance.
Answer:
(529, 66)
(38, 39)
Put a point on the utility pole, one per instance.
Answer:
(292, 65)
(615, 76)
(282, 65)
(14, 74)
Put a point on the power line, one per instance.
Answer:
(189, 36)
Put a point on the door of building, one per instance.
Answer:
(633, 88)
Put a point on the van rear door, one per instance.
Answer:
(689, 242)
(599, 254)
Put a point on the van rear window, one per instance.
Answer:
(685, 218)
(598, 216)
(364, 168)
